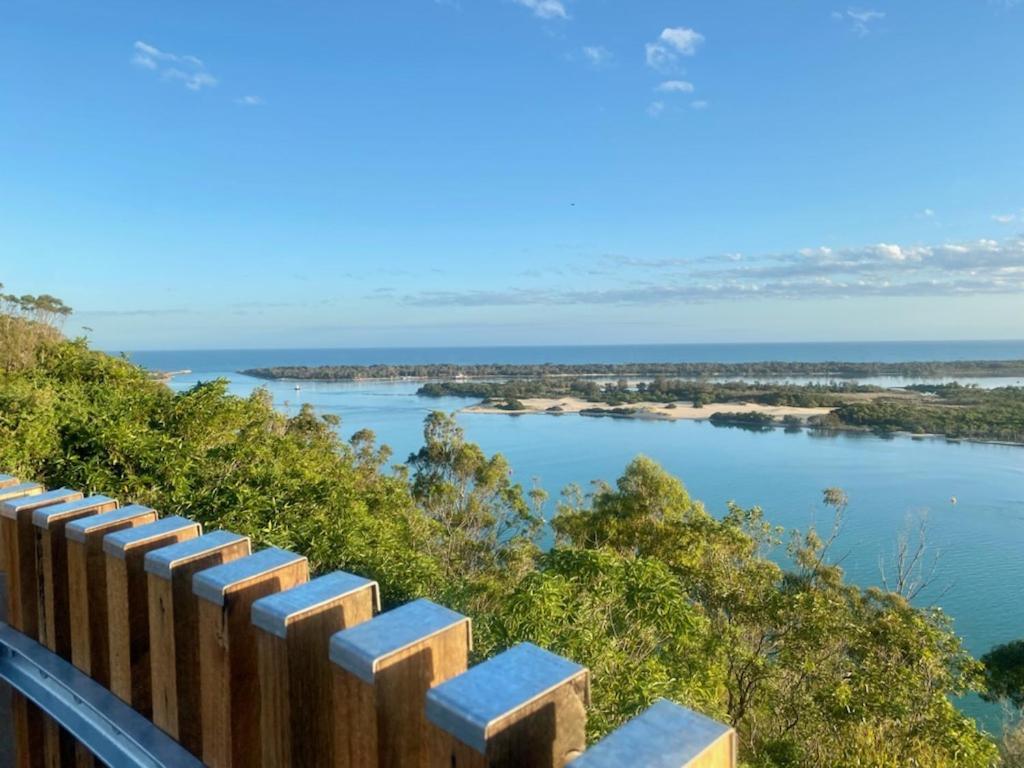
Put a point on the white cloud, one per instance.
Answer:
(1004, 218)
(927, 213)
(194, 81)
(682, 39)
(655, 108)
(980, 267)
(860, 19)
(250, 101)
(185, 68)
(545, 9)
(675, 86)
(673, 42)
(596, 54)
(699, 104)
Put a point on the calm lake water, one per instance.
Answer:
(889, 481)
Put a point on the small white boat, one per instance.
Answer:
(298, 388)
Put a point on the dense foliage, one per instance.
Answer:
(657, 596)
(767, 369)
(956, 412)
(658, 390)
(952, 410)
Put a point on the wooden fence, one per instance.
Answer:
(244, 661)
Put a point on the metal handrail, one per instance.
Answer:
(110, 729)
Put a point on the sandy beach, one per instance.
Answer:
(659, 410)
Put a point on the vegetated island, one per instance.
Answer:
(951, 410)
(711, 391)
(766, 369)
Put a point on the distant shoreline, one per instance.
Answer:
(837, 370)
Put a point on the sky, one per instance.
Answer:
(498, 172)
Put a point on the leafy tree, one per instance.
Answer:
(484, 519)
(1004, 673)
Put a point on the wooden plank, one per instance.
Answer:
(54, 613)
(296, 695)
(228, 663)
(525, 706)
(668, 736)
(383, 670)
(174, 629)
(35, 735)
(87, 586)
(87, 593)
(54, 610)
(127, 605)
(17, 490)
(6, 481)
(21, 560)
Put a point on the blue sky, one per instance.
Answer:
(464, 172)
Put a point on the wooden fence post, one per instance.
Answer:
(296, 693)
(53, 608)
(127, 605)
(384, 668)
(228, 664)
(665, 735)
(87, 593)
(174, 628)
(22, 560)
(28, 721)
(24, 598)
(13, 489)
(87, 585)
(525, 706)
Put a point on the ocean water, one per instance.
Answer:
(890, 482)
(874, 351)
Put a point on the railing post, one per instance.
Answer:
(228, 663)
(665, 735)
(87, 583)
(525, 706)
(296, 694)
(174, 629)
(34, 734)
(26, 725)
(383, 669)
(87, 593)
(127, 605)
(53, 609)
(22, 560)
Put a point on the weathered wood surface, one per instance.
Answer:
(128, 605)
(667, 735)
(383, 670)
(36, 736)
(87, 586)
(21, 559)
(174, 629)
(525, 706)
(296, 695)
(54, 607)
(54, 611)
(228, 656)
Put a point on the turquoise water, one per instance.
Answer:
(980, 581)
